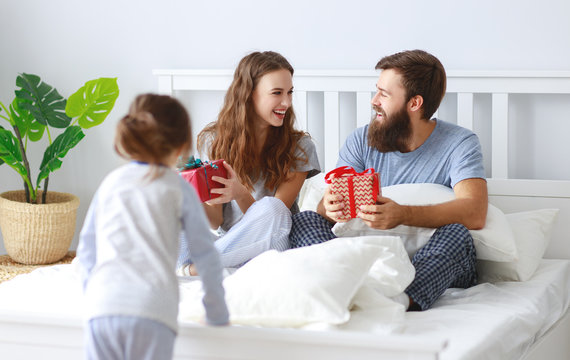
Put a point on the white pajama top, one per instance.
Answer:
(129, 246)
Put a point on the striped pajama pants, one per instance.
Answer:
(447, 260)
(264, 226)
(128, 338)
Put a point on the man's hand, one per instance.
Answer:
(468, 208)
(386, 214)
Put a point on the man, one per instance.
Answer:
(405, 145)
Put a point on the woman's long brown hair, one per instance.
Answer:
(232, 136)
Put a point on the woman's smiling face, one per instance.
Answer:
(272, 98)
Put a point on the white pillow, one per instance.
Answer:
(392, 271)
(494, 242)
(313, 284)
(312, 192)
(412, 237)
(532, 230)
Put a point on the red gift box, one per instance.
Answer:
(356, 188)
(199, 175)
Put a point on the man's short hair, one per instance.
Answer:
(422, 74)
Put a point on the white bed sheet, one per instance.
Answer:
(516, 313)
(487, 321)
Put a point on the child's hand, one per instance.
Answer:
(233, 188)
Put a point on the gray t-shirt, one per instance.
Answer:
(449, 155)
(232, 212)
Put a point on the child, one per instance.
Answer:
(267, 161)
(129, 241)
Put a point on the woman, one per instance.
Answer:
(267, 161)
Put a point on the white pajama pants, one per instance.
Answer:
(264, 226)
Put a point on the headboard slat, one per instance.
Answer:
(465, 110)
(500, 136)
(332, 129)
(363, 108)
(529, 188)
(300, 106)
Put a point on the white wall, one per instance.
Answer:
(67, 42)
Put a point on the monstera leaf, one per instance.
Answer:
(43, 101)
(5, 116)
(10, 151)
(93, 102)
(37, 107)
(58, 149)
(24, 120)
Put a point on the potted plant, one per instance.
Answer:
(37, 225)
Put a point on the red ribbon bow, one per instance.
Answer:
(346, 171)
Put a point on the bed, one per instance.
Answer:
(498, 320)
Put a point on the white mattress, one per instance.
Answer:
(472, 320)
(487, 321)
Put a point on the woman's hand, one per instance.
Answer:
(233, 190)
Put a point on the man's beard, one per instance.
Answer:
(392, 133)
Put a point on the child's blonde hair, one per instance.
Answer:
(155, 126)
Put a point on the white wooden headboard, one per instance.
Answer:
(507, 193)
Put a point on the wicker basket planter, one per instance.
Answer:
(37, 234)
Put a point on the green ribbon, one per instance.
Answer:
(196, 163)
(192, 163)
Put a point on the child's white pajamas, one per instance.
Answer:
(129, 246)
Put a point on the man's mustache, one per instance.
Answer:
(378, 109)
